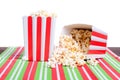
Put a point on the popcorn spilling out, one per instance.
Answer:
(43, 13)
(72, 49)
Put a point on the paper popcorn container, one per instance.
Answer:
(38, 37)
(98, 42)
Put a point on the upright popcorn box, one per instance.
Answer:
(98, 42)
(38, 37)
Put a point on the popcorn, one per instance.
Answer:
(82, 37)
(72, 49)
(44, 13)
(92, 61)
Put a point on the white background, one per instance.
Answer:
(103, 14)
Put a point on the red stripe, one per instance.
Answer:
(107, 71)
(62, 75)
(117, 58)
(30, 45)
(47, 41)
(92, 42)
(54, 74)
(92, 75)
(82, 73)
(39, 26)
(27, 71)
(33, 71)
(5, 64)
(10, 66)
(96, 51)
(111, 54)
(11, 57)
(111, 67)
(94, 33)
(8, 69)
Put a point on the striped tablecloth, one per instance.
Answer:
(12, 67)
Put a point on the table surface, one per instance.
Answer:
(13, 67)
(114, 49)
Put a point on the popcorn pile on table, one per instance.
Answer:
(71, 50)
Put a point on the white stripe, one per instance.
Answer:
(34, 27)
(43, 38)
(52, 35)
(15, 70)
(74, 73)
(8, 53)
(5, 53)
(113, 60)
(57, 71)
(30, 71)
(101, 78)
(112, 63)
(92, 47)
(88, 76)
(98, 30)
(19, 70)
(45, 75)
(11, 61)
(109, 69)
(118, 57)
(25, 31)
(112, 52)
(70, 75)
(41, 70)
(94, 38)
(101, 73)
(95, 55)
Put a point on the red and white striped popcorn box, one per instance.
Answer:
(38, 37)
(98, 43)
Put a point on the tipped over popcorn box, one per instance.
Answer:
(79, 44)
(92, 41)
(38, 36)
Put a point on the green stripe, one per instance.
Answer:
(72, 73)
(114, 66)
(78, 73)
(113, 58)
(114, 62)
(12, 70)
(23, 71)
(95, 72)
(5, 59)
(49, 74)
(66, 73)
(103, 72)
(38, 71)
(15, 65)
(43, 72)
(1, 54)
